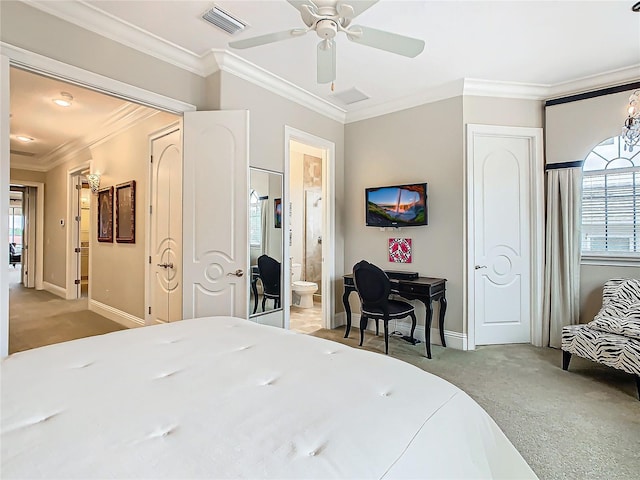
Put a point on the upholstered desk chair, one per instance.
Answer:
(270, 275)
(373, 287)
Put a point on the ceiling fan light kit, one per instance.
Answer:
(327, 18)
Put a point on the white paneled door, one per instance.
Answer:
(501, 212)
(216, 196)
(165, 261)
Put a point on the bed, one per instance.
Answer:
(223, 397)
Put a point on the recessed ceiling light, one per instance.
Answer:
(24, 138)
(64, 100)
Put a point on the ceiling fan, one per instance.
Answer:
(329, 17)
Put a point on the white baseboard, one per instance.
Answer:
(55, 289)
(123, 318)
(455, 340)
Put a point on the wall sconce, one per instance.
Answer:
(94, 182)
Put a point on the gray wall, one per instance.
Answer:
(39, 32)
(571, 131)
(27, 175)
(592, 278)
(425, 143)
(503, 111)
(269, 113)
(415, 145)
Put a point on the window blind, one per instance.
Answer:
(611, 212)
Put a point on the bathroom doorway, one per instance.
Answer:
(306, 233)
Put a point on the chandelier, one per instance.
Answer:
(631, 128)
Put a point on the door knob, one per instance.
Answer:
(237, 273)
(163, 265)
(478, 267)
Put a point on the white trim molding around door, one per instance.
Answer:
(328, 222)
(16, 56)
(535, 188)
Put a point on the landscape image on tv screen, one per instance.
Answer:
(397, 206)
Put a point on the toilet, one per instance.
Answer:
(303, 290)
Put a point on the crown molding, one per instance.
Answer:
(93, 19)
(594, 82)
(120, 120)
(489, 88)
(231, 63)
(442, 92)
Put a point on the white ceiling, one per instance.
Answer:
(59, 132)
(538, 49)
(33, 114)
(538, 43)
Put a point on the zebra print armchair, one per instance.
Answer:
(612, 338)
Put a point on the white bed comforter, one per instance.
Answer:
(225, 398)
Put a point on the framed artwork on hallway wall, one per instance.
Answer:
(277, 212)
(105, 214)
(126, 212)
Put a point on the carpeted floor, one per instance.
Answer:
(578, 424)
(38, 318)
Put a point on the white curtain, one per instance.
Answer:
(562, 255)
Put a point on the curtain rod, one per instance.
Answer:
(555, 166)
(593, 94)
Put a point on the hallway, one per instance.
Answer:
(38, 318)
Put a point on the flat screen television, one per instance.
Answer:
(397, 205)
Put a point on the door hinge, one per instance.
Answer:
(78, 187)
(150, 209)
(149, 259)
(77, 282)
(149, 310)
(77, 250)
(151, 158)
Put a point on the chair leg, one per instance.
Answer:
(386, 337)
(377, 329)
(363, 325)
(566, 358)
(264, 302)
(638, 385)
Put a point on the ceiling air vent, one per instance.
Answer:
(223, 20)
(350, 96)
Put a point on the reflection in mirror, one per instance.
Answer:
(266, 247)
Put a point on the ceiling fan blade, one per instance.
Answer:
(358, 7)
(307, 10)
(264, 39)
(391, 42)
(299, 5)
(326, 61)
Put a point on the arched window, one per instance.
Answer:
(255, 220)
(611, 201)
